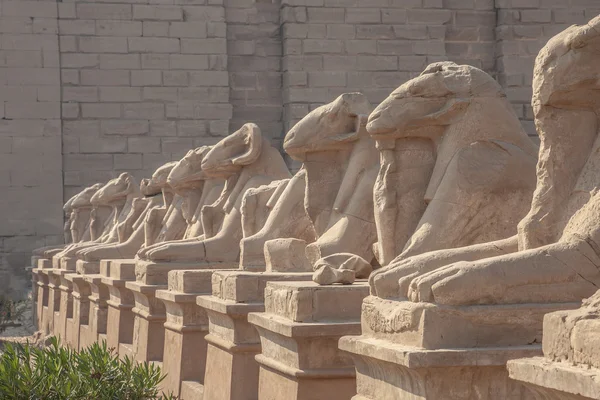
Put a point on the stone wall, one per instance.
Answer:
(92, 88)
(141, 84)
(31, 183)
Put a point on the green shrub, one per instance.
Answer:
(59, 373)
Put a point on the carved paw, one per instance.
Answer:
(447, 285)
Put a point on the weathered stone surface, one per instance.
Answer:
(570, 366)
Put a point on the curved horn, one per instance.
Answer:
(253, 140)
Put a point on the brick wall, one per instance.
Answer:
(91, 88)
(523, 28)
(31, 194)
(141, 84)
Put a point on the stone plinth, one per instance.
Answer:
(150, 313)
(556, 380)
(431, 326)
(98, 306)
(390, 371)
(232, 341)
(186, 325)
(42, 295)
(299, 333)
(65, 310)
(119, 330)
(427, 351)
(78, 329)
(570, 368)
(51, 313)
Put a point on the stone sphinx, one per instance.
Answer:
(76, 228)
(456, 167)
(328, 203)
(131, 231)
(119, 194)
(471, 309)
(182, 221)
(245, 160)
(553, 258)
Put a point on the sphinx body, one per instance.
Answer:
(457, 169)
(245, 160)
(193, 189)
(77, 209)
(131, 231)
(328, 201)
(119, 194)
(555, 257)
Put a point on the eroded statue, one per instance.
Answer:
(457, 170)
(195, 190)
(558, 241)
(131, 231)
(245, 160)
(77, 209)
(328, 203)
(119, 194)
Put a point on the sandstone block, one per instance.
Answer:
(158, 12)
(143, 111)
(155, 28)
(188, 61)
(103, 145)
(146, 78)
(77, 27)
(29, 9)
(203, 46)
(153, 45)
(80, 94)
(101, 110)
(96, 44)
(119, 127)
(104, 78)
(103, 11)
(118, 28)
(120, 94)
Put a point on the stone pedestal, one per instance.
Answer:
(232, 341)
(299, 333)
(65, 310)
(119, 330)
(425, 351)
(570, 368)
(78, 329)
(389, 371)
(552, 380)
(150, 315)
(34, 292)
(42, 297)
(185, 348)
(98, 307)
(53, 299)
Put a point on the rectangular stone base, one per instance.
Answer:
(120, 317)
(87, 267)
(233, 343)
(432, 326)
(78, 336)
(191, 390)
(148, 325)
(98, 306)
(155, 273)
(299, 333)
(556, 380)
(390, 371)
